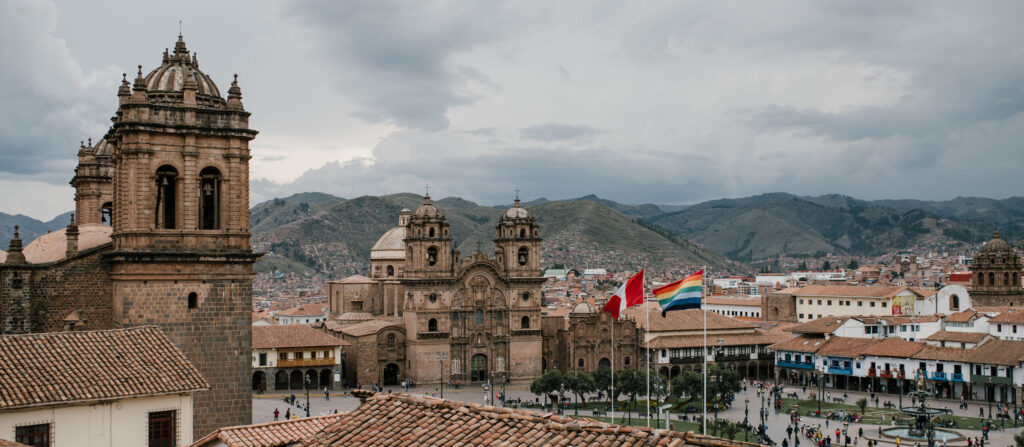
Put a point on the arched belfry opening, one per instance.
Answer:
(166, 198)
(209, 198)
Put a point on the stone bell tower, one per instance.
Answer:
(181, 257)
(517, 242)
(428, 246)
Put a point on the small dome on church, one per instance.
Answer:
(390, 246)
(427, 209)
(53, 246)
(517, 211)
(583, 308)
(177, 70)
(996, 245)
(103, 148)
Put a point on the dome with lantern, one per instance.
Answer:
(179, 71)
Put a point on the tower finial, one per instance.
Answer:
(426, 198)
(517, 196)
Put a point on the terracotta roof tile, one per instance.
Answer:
(962, 317)
(850, 291)
(292, 336)
(5, 443)
(270, 434)
(734, 300)
(997, 352)
(304, 310)
(412, 421)
(943, 354)
(803, 343)
(1009, 316)
(959, 337)
(846, 346)
(893, 347)
(823, 325)
(66, 367)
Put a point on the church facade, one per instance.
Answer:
(995, 275)
(437, 316)
(160, 235)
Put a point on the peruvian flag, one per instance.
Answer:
(629, 294)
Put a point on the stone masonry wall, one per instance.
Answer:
(216, 337)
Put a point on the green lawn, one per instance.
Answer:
(873, 415)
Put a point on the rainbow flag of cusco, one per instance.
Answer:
(682, 294)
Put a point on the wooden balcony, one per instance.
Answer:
(305, 362)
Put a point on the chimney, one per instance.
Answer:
(71, 234)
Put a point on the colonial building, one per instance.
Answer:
(996, 275)
(120, 387)
(171, 177)
(581, 340)
(477, 318)
(295, 357)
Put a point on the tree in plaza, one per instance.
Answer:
(631, 382)
(687, 384)
(726, 382)
(1018, 439)
(862, 403)
(658, 387)
(549, 383)
(579, 383)
(729, 429)
(603, 380)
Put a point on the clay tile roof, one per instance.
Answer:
(823, 325)
(693, 341)
(5, 443)
(68, 367)
(803, 343)
(304, 310)
(734, 300)
(270, 434)
(943, 354)
(959, 337)
(849, 291)
(962, 317)
(893, 347)
(1009, 316)
(682, 320)
(413, 421)
(846, 346)
(370, 327)
(997, 352)
(292, 336)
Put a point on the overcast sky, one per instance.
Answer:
(664, 102)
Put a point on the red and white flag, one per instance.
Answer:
(630, 293)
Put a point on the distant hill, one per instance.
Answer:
(768, 225)
(28, 227)
(335, 236)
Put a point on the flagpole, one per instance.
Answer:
(647, 331)
(703, 310)
(612, 397)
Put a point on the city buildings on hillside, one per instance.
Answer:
(119, 387)
(295, 357)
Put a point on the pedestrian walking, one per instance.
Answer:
(327, 394)
(276, 414)
(288, 414)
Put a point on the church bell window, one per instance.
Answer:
(432, 325)
(432, 255)
(523, 252)
(166, 192)
(209, 198)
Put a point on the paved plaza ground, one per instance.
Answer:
(264, 406)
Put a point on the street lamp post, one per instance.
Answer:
(989, 392)
(846, 428)
(441, 357)
(746, 421)
(305, 386)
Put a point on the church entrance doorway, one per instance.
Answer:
(478, 368)
(391, 374)
(605, 363)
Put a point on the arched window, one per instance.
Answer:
(954, 302)
(523, 254)
(432, 255)
(479, 316)
(209, 198)
(193, 300)
(166, 197)
(525, 323)
(107, 213)
(626, 360)
(431, 231)
(391, 340)
(500, 316)
(991, 279)
(526, 296)
(522, 232)
(455, 316)
(432, 297)
(581, 363)
(432, 325)
(391, 270)
(1006, 279)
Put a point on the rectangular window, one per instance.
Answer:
(903, 328)
(161, 429)
(956, 369)
(872, 304)
(999, 328)
(885, 304)
(801, 316)
(801, 300)
(312, 355)
(34, 435)
(298, 355)
(263, 359)
(1014, 329)
(829, 302)
(819, 302)
(867, 329)
(860, 303)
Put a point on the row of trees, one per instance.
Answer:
(553, 385)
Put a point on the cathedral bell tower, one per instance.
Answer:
(517, 242)
(181, 257)
(428, 247)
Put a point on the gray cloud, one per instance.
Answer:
(557, 132)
